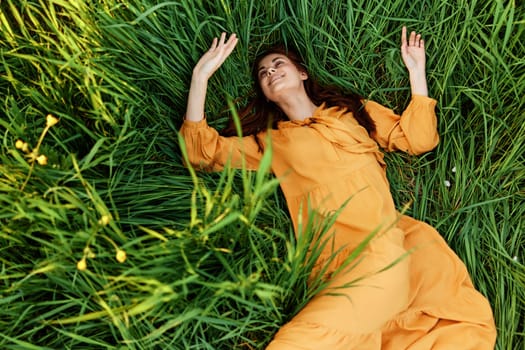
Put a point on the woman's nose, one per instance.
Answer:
(271, 70)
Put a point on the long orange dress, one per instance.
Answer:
(425, 301)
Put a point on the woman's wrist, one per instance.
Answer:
(197, 78)
(418, 83)
(196, 98)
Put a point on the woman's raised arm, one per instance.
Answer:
(209, 62)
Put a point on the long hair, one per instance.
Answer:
(259, 114)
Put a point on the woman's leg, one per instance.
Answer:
(445, 311)
(350, 314)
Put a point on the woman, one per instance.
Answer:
(325, 150)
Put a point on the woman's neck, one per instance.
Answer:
(297, 107)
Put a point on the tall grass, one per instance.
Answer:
(210, 261)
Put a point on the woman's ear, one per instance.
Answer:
(303, 75)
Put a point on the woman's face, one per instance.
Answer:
(278, 76)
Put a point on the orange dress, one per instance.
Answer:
(425, 301)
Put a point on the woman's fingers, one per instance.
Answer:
(219, 50)
(221, 43)
(404, 36)
(213, 44)
(231, 43)
(227, 47)
(414, 39)
(222, 39)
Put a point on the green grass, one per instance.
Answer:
(211, 260)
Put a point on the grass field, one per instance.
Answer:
(114, 244)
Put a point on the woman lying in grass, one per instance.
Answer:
(325, 148)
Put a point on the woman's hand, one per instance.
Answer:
(213, 58)
(413, 54)
(209, 63)
(413, 51)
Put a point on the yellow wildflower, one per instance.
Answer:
(121, 256)
(41, 159)
(104, 220)
(82, 265)
(19, 144)
(51, 120)
(89, 253)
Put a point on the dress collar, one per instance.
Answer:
(305, 122)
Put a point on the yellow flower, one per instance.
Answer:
(41, 159)
(104, 220)
(89, 253)
(19, 144)
(82, 265)
(51, 120)
(121, 256)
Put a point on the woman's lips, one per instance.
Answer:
(277, 77)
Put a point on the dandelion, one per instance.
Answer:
(51, 120)
(82, 264)
(447, 183)
(121, 255)
(454, 169)
(41, 159)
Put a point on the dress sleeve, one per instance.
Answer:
(414, 132)
(207, 150)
